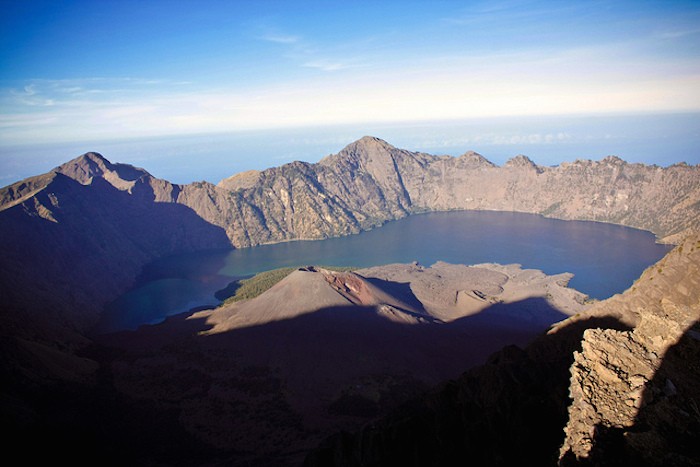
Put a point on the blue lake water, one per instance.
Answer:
(604, 258)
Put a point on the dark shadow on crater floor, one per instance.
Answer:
(401, 290)
(266, 394)
(511, 409)
(271, 392)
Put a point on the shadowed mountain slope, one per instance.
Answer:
(260, 382)
(69, 247)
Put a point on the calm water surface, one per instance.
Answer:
(605, 259)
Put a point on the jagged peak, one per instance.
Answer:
(93, 164)
(246, 179)
(361, 149)
(613, 160)
(96, 157)
(87, 159)
(520, 160)
(373, 141)
(608, 160)
(476, 158)
(368, 143)
(85, 166)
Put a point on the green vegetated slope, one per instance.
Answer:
(245, 289)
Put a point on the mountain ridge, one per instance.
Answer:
(377, 182)
(370, 181)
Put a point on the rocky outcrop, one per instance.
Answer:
(621, 379)
(634, 392)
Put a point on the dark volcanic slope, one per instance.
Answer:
(320, 351)
(78, 236)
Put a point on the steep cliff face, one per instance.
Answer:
(78, 236)
(370, 182)
(634, 392)
(661, 200)
(616, 384)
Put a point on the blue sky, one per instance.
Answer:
(80, 71)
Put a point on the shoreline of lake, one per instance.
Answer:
(587, 249)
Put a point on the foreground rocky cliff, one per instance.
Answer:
(635, 393)
(614, 385)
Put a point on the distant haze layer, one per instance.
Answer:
(661, 139)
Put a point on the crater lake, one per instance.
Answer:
(604, 258)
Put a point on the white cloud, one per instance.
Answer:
(517, 139)
(438, 88)
(306, 53)
(330, 65)
(281, 38)
(676, 33)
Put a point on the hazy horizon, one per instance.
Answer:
(234, 86)
(547, 141)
